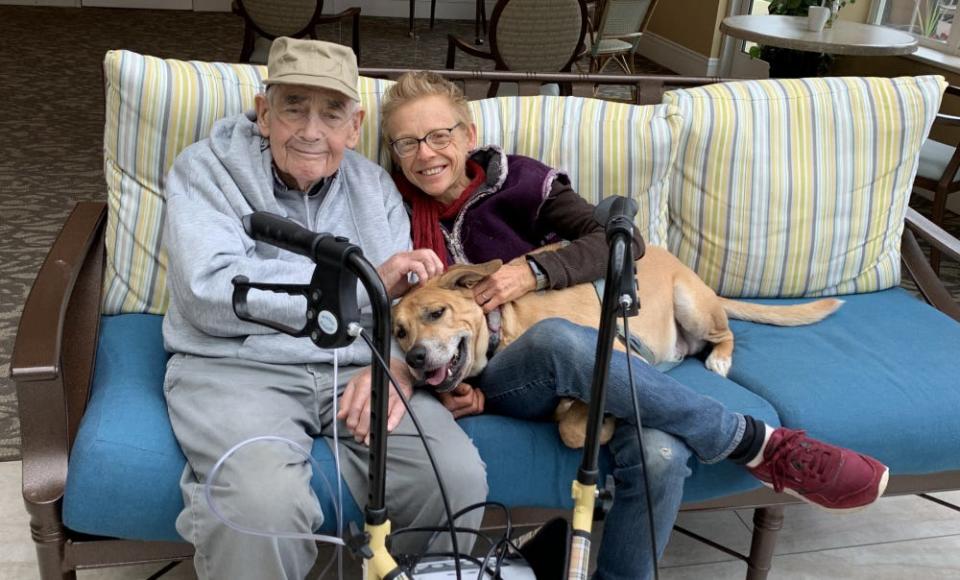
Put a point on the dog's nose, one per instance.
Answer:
(417, 357)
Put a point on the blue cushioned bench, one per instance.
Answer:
(855, 379)
(126, 463)
(101, 466)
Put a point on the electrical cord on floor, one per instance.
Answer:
(482, 504)
(500, 547)
(643, 455)
(426, 446)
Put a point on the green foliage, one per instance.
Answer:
(929, 14)
(792, 7)
(786, 63)
(799, 7)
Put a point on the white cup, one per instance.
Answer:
(817, 17)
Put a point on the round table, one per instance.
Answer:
(843, 38)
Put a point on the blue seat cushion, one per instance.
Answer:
(125, 467)
(878, 376)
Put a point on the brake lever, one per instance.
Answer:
(331, 295)
(242, 286)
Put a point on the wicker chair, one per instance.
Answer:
(618, 32)
(264, 20)
(530, 35)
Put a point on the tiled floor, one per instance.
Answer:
(900, 538)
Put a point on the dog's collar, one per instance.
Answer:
(493, 325)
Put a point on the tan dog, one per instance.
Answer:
(444, 331)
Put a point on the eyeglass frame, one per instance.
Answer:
(424, 139)
(302, 119)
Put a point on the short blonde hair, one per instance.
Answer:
(417, 85)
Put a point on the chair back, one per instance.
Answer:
(623, 17)
(537, 35)
(273, 18)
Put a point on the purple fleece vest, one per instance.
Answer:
(502, 222)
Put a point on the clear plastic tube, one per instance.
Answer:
(338, 505)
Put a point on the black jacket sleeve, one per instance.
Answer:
(570, 216)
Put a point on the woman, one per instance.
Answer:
(481, 204)
(473, 205)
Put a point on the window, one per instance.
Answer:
(931, 21)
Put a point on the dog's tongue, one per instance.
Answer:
(435, 377)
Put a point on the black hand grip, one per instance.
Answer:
(616, 214)
(281, 232)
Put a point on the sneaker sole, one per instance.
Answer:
(881, 487)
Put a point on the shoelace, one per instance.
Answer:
(796, 454)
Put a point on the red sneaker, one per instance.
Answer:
(825, 475)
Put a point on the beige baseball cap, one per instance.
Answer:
(313, 63)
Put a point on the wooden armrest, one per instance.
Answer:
(53, 375)
(946, 120)
(934, 234)
(453, 43)
(37, 350)
(919, 268)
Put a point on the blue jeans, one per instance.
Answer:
(555, 359)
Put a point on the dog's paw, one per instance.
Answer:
(571, 417)
(573, 438)
(719, 364)
(606, 430)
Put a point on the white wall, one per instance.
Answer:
(72, 3)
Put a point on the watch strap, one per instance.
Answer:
(538, 274)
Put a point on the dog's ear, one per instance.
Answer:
(467, 275)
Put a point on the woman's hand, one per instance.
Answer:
(511, 281)
(355, 400)
(394, 272)
(463, 400)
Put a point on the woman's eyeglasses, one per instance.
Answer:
(437, 139)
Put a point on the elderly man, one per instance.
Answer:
(228, 380)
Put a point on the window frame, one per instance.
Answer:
(950, 46)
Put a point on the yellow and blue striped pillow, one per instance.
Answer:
(154, 109)
(606, 148)
(797, 187)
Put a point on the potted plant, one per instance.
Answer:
(789, 63)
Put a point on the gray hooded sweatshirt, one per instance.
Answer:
(215, 182)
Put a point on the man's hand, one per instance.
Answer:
(511, 281)
(424, 263)
(355, 401)
(463, 400)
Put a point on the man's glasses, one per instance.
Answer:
(299, 115)
(437, 139)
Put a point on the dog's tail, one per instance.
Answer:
(792, 315)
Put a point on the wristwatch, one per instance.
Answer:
(538, 274)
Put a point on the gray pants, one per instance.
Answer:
(216, 403)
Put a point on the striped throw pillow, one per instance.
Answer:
(154, 109)
(606, 148)
(797, 187)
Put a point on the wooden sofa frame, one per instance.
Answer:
(55, 348)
